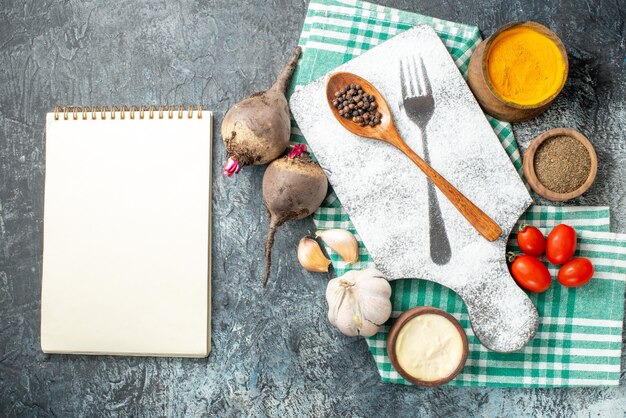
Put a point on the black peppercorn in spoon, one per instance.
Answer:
(386, 131)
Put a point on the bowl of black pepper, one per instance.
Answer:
(560, 164)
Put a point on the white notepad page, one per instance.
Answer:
(126, 258)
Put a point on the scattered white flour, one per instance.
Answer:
(385, 194)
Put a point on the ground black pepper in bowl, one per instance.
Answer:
(562, 164)
(353, 103)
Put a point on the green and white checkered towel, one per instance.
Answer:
(579, 338)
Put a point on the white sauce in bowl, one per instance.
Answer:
(429, 347)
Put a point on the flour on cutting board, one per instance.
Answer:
(386, 196)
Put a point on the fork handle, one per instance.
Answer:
(486, 226)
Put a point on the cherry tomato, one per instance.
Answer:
(561, 244)
(530, 273)
(576, 272)
(531, 241)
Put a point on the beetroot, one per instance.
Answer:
(256, 130)
(293, 188)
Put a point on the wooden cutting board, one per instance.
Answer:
(387, 196)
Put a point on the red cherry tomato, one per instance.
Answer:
(530, 273)
(561, 244)
(531, 241)
(576, 272)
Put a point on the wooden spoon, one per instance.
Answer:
(386, 131)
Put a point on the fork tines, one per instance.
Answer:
(414, 81)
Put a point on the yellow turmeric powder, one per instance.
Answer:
(525, 67)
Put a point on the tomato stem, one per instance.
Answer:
(511, 256)
(522, 227)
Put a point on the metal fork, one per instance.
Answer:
(419, 106)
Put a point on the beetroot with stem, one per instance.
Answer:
(256, 130)
(293, 188)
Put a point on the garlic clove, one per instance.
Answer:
(342, 242)
(311, 257)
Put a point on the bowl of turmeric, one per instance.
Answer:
(518, 71)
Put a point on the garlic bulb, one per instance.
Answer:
(342, 242)
(311, 257)
(358, 302)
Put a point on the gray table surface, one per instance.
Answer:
(274, 352)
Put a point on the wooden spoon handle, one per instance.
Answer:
(486, 226)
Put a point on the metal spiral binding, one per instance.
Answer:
(162, 112)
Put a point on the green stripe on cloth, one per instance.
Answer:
(577, 343)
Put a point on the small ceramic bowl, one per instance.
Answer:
(488, 98)
(531, 175)
(395, 330)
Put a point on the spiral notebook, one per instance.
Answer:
(127, 244)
